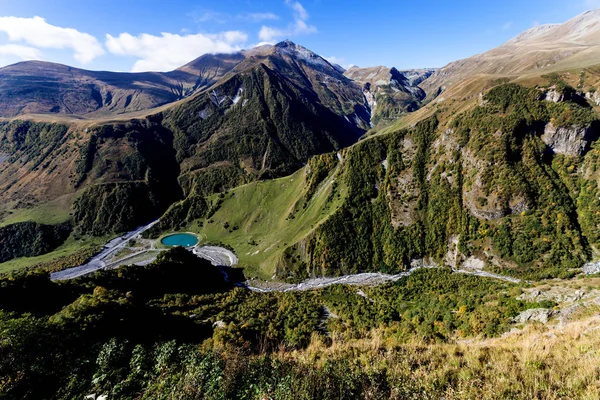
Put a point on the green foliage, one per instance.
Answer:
(433, 305)
(78, 257)
(27, 239)
(213, 179)
(204, 146)
(525, 103)
(277, 128)
(184, 212)
(31, 142)
(518, 169)
(360, 236)
(319, 167)
(136, 163)
(134, 331)
(114, 207)
(501, 164)
(86, 160)
(176, 270)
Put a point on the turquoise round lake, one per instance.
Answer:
(180, 239)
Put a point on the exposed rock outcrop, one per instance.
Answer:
(473, 263)
(534, 314)
(594, 97)
(388, 92)
(452, 256)
(557, 294)
(554, 95)
(591, 268)
(572, 141)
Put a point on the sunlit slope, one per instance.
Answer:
(541, 50)
(262, 219)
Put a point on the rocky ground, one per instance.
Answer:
(572, 298)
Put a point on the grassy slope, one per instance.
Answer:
(70, 247)
(538, 362)
(53, 212)
(261, 211)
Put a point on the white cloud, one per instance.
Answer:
(170, 51)
(335, 60)
(232, 37)
(38, 33)
(259, 17)
(268, 34)
(507, 25)
(298, 27)
(299, 10)
(22, 52)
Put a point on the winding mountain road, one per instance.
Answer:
(98, 261)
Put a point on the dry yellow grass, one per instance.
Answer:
(537, 362)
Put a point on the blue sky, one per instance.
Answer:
(134, 35)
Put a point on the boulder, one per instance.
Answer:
(594, 97)
(534, 314)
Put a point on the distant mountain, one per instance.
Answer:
(390, 92)
(311, 72)
(266, 117)
(209, 68)
(35, 87)
(256, 114)
(542, 49)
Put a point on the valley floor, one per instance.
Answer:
(131, 249)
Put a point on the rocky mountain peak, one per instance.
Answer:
(289, 48)
(286, 43)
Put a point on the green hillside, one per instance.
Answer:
(261, 220)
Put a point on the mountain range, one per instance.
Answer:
(35, 87)
(365, 233)
(496, 145)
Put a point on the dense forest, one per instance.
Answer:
(28, 239)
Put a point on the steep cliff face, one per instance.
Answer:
(571, 141)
